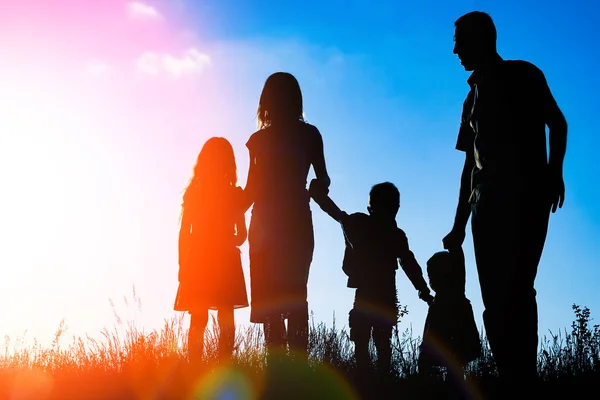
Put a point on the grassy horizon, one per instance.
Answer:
(153, 365)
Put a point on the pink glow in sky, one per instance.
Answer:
(106, 105)
(97, 100)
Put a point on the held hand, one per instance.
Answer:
(557, 191)
(454, 239)
(426, 297)
(317, 190)
(239, 240)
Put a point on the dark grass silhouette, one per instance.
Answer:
(142, 365)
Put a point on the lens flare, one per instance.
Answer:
(226, 382)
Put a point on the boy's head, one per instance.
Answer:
(384, 200)
(441, 272)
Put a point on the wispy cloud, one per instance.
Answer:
(191, 62)
(99, 69)
(138, 9)
(149, 63)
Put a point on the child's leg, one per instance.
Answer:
(226, 332)
(360, 334)
(198, 321)
(382, 336)
(424, 365)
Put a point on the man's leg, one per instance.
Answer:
(493, 247)
(531, 235)
(508, 242)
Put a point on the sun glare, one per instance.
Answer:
(46, 163)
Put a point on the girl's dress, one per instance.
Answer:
(450, 337)
(212, 277)
(280, 236)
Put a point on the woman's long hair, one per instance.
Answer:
(214, 172)
(280, 100)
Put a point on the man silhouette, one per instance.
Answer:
(509, 184)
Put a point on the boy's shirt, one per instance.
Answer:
(372, 253)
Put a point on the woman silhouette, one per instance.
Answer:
(281, 237)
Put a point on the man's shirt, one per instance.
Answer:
(503, 124)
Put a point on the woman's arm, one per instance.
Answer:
(318, 161)
(319, 194)
(250, 189)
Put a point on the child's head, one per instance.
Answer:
(215, 167)
(280, 100)
(384, 200)
(216, 163)
(441, 272)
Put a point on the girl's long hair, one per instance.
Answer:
(214, 172)
(280, 101)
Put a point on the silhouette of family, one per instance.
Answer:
(508, 188)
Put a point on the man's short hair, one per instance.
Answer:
(478, 22)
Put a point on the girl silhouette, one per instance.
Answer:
(281, 237)
(212, 228)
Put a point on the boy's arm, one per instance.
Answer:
(412, 269)
(320, 196)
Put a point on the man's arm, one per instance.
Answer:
(464, 143)
(463, 210)
(557, 127)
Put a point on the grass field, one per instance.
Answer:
(141, 365)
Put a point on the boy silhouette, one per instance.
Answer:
(374, 244)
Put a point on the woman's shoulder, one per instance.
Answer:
(311, 128)
(254, 139)
(258, 139)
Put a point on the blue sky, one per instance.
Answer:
(112, 141)
(393, 114)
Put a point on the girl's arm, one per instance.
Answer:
(184, 240)
(241, 232)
